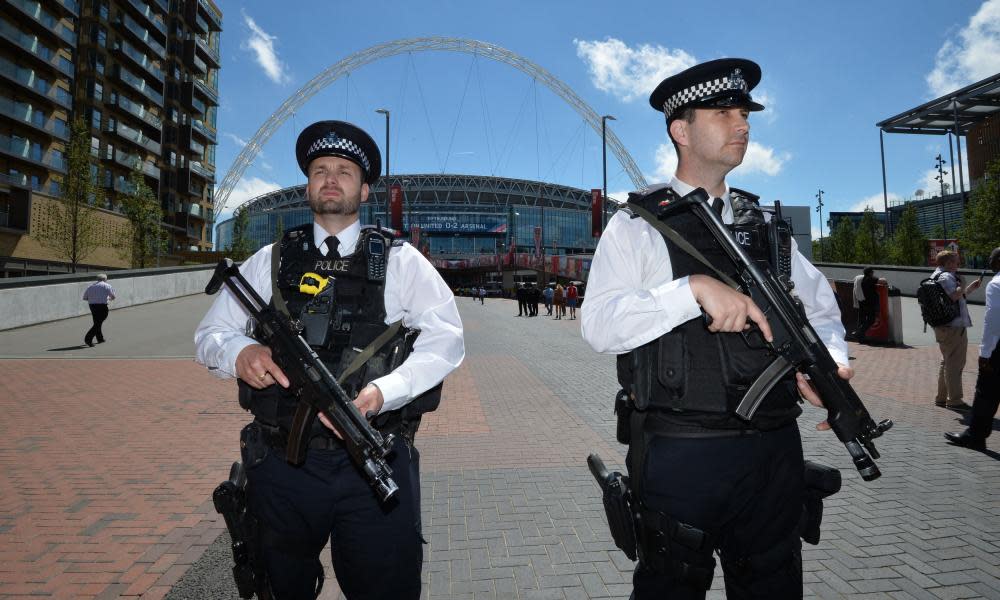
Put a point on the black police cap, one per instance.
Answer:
(339, 138)
(717, 83)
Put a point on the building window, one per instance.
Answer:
(95, 118)
(109, 152)
(95, 90)
(95, 146)
(98, 35)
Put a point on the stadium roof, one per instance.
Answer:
(964, 107)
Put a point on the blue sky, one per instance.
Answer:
(830, 72)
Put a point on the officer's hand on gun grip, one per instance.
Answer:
(809, 392)
(728, 308)
(369, 402)
(255, 367)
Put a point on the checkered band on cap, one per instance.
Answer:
(705, 89)
(332, 141)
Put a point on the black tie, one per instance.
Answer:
(331, 247)
(717, 206)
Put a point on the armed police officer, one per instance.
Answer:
(703, 479)
(387, 305)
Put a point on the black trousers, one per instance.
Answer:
(99, 312)
(746, 493)
(987, 398)
(867, 314)
(377, 548)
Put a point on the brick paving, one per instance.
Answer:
(108, 466)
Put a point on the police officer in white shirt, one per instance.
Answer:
(377, 548)
(987, 398)
(734, 487)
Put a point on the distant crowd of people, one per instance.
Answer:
(560, 301)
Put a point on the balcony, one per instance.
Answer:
(214, 18)
(199, 169)
(137, 110)
(23, 149)
(47, 20)
(212, 54)
(141, 34)
(140, 60)
(71, 5)
(205, 90)
(29, 80)
(149, 15)
(30, 45)
(30, 115)
(189, 100)
(135, 136)
(201, 129)
(138, 84)
(129, 161)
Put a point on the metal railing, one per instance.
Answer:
(139, 84)
(138, 110)
(142, 33)
(140, 59)
(147, 11)
(36, 11)
(135, 136)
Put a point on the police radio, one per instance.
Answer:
(376, 258)
(779, 245)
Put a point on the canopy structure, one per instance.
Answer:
(952, 114)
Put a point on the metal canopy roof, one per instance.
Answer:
(967, 106)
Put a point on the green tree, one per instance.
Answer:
(241, 247)
(821, 250)
(842, 242)
(72, 226)
(140, 206)
(980, 232)
(909, 245)
(869, 247)
(279, 229)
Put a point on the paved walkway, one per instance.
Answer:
(110, 455)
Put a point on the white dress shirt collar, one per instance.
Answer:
(684, 189)
(348, 238)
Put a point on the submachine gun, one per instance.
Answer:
(313, 384)
(796, 345)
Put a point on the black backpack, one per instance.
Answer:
(936, 307)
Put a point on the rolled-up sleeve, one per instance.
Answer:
(221, 335)
(415, 293)
(820, 305)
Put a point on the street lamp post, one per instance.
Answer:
(604, 162)
(940, 162)
(819, 209)
(385, 112)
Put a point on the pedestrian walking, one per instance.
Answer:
(97, 296)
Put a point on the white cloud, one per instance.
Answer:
(235, 139)
(932, 187)
(249, 188)
(770, 112)
(261, 44)
(630, 73)
(758, 159)
(875, 202)
(973, 56)
(619, 195)
(761, 159)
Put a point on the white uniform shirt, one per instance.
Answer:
(633, 297)
(414, 292)
(991, 322)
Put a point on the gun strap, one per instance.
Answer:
(369, 351)
(276, 297)
(683, 244)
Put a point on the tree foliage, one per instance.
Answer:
(72, 226)
(909, 245)
(869, 247)
(241, 247)
(140, 207)
(842, 242)
(980, 232)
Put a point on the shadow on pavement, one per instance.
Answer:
(65, 348)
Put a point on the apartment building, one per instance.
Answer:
(143, 74)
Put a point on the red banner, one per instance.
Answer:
(937, 245)
(415, 236)
(396, 207)
(538, 241)
(596, 213)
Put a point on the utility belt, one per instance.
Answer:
(277, 438)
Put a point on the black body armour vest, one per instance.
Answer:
(690, 378)
(356, 317)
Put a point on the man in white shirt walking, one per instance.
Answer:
(374, 284)
(987, 398)
(97, 295)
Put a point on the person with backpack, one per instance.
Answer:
(866, 300)
(952, 337)
(987, 398)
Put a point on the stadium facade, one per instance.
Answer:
(450, 216)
